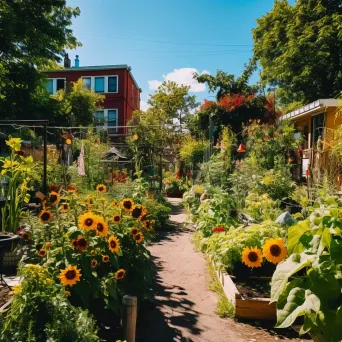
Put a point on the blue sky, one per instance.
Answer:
(163, 39)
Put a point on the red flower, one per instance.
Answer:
(178, 174)
(267, 138)
(54, 188)
(218, 229)
(207, 104)
(275, 133)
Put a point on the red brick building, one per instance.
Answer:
(116, 82)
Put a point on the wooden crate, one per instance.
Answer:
(256, 308)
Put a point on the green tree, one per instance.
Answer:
(300, 49)
(77, 104)
(175, 102)
(32, 34)
(227, 84)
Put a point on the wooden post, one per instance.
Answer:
(129, 317)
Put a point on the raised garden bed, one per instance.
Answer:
(249, 301)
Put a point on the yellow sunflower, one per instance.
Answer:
(82, 244)
(42, 252)
(120, 274)
(87, 221)
(137, 211)
(93, 263)
(252, 257)
(54, 197)
(139, 237)
(127, 204)
(101, 227)
(148, 224)
(101, 188)
(45, 216)
(64, 207)
(70, 276)
(105, 258)
(274, 250)
(73, 243)
(113, 244)
(143, 217)
(134, 231)
(117, 218)
(115, 203)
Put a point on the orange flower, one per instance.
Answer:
(120, 274)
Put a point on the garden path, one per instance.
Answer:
(184, 307)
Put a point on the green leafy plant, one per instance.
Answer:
(308, 284)
(15, 169)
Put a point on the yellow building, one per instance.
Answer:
(316, 122)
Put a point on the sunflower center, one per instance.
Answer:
(113, 244)
(101, 188)
(137, 237)
(127, 204)
(120, 274)
(89, 222)
(65, 206)
(45, 216)
(70, 274)
(136, 212)
(253, 257)
(275, 250)
(100, 227)
(82, 242)
(105, 259)
(53, 198)
(116, 218)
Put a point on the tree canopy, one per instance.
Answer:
(33, 33)
(300, 49)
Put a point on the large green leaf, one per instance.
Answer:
(336, 250)
(299, 302)
(295, 232)
(286, 269)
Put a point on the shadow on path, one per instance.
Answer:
(170, 312)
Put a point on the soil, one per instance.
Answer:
(4, 295)
(183, 308)
(254, 288)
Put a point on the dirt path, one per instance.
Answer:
(184, 306)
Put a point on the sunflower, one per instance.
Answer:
(45, 216)
(93, 263)
(274, 250)
(148, 224)
(54, 197)
(127, 204)
(101, 227)
(138, 237)
(87, 221)
(101, 188)
(117, 218)
(64, 207)
(93, 252)
(70, 276)
(42, 252)
(143, 217)
(82, 243)
(105, 258)
(134, 231)
(137, 211)
(120, 274)
(115, 203)
(73, 243)
(113, 244)
(252, 257)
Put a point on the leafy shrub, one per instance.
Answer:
(308, 283)
(159, 212)
(262, 207)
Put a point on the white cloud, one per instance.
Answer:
(144, 105)
(183, 76)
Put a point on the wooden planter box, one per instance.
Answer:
(250, 308)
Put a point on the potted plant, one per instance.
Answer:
(14, 171)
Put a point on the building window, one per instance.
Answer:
(113, 119)
(49, 86)
(99, 118)
(317, 128)
(99, 85)
(87, 82)
(60, 84)
(112, 84)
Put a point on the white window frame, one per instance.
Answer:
(105, 115)
(54, 83)
(92, 83)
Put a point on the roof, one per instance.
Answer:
(94, 68)
(310, 108)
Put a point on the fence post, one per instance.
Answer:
(129, 317)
